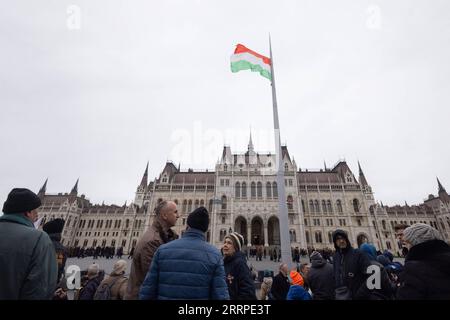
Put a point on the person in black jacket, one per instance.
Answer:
(426, 274)
(94, 277)
(350, 269)
(237, 274)
(321, 278)
(280, 285)
(54, 229)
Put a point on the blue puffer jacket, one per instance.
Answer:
(297, 292)
(187, 268)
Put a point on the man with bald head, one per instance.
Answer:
(158, 233)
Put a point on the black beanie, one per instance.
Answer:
(21, 200)
(54, 226)
(199, 219)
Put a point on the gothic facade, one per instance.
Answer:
(241, 195)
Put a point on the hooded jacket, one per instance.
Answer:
(321, 278)
(350, 268)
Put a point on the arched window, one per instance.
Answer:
(120, 222)
(388, 244)
(184, 208)
(224, 203)
(324, 206)
(202, 203)
(316, 206)
(196, 204)
(225, 167)
(303, 206)
(318, 237)
(259, 189)
(253, 190)
(189, 206)
(223, 233)
(311, 206)
(290, 202)
(330, 208)
(274, 190)
(339, 206)
(292, 235)
(210, 205)
(269, 190)
(175, 201)
(127, 222)
(237, 190)
(307, 237)
(286, 167)
(356, 205)
(330, 237)
(244, 190)
(384, 224)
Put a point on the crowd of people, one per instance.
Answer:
(164, 266)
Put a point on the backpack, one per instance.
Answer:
(104, 290)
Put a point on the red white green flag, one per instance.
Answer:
(244, 59)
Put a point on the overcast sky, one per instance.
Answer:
(97, 89)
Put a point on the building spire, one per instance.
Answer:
(325, 165)
(441, 188)
(75, 188)
(443, 195)
(362, 178)
(43, 188)
(144, 177)
(250, 143)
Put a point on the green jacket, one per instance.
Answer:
(28, 268)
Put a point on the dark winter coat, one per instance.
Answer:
(426, 274)
(28, 269)
(239, 278)
(321, 279)
(350, 268)
(280, 287)
(88, 291)
(61, 253)
(187, 268)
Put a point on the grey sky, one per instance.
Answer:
(139, 82)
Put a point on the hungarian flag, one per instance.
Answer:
(244, 59)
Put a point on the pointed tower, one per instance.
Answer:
(142, 188)
(144, 178)
(362, 178)
(250, 144)
(365, 187)
(43, 189)
(74, 190)
(443, 195)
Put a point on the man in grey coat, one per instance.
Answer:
(28, 268)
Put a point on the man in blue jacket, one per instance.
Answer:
(187, 268)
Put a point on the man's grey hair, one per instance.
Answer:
(160, 207)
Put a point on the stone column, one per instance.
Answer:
(266, 234)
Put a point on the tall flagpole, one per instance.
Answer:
(286, 255)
